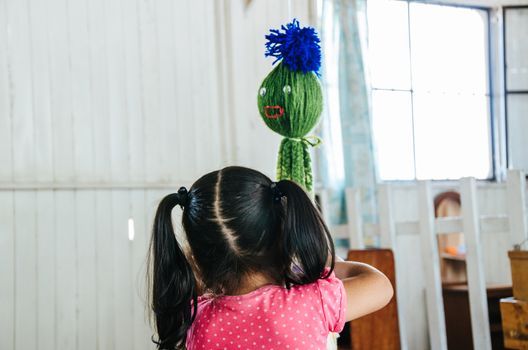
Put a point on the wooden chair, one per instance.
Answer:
(493, 217)
(380, 329)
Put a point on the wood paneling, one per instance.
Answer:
(106, 92)
(7, 270)
(106, 106)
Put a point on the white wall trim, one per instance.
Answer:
(90, 186)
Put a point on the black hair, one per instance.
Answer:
(236, 221)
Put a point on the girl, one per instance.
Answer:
(260, 271)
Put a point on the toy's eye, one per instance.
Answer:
(262, 91)
(287, 89)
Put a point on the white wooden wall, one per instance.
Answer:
(71, 278)
(106, 106)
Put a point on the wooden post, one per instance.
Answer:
(431, 265)
(355, 220)
(386, 219)
(478, 302)
(388, 240)
(516, 187)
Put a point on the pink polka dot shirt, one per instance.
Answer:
(271, 317)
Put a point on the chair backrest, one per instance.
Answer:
(380, 329)
(493, 218)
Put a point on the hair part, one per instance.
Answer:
(226, 231)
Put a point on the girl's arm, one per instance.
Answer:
(367, 289)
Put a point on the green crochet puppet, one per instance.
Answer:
(290, 99)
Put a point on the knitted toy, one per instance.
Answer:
(290, 99)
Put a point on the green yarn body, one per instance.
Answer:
(300, 97)
(294, 163)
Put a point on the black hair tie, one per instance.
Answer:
(277, 194)
(183, 197)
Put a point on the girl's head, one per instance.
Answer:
(237, 223)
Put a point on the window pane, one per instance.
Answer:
(517, 126)
(393, 136)
(516, 21)
(452, 136)
(449, 48)
(388, 44)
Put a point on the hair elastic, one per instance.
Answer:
(183, 196)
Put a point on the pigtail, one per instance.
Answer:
(306, 241)
(172, 285)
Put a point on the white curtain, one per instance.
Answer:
(347, 157)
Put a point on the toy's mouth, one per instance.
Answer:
(273, 112)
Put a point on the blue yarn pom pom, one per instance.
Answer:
(297, 47)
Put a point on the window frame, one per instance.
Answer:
(493, 176)
(507, 92)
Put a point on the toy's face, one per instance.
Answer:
(289, 102)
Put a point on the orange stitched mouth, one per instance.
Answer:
(273, 112)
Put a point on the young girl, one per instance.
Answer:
(260, 271)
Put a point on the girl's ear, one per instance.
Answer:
(172, 284)
(306, 241)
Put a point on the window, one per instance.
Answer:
(429, 69)
(516, 83)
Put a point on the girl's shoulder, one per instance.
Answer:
(324, 299)
(288, 317)
(330, 295)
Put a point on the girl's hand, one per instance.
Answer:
(367, 289)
